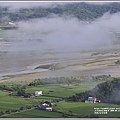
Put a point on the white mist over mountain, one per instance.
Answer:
(64, 34)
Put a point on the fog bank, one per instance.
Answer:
(64, 34)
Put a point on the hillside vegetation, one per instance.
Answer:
(81, 10)
(107, 92)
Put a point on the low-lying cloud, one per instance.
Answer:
(64, 34)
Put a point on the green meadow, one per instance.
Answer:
(36, 114)
(56, 92)
(81, 109)
(70, 110)
(12, 103)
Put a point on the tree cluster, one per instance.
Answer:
(107, 92)
(17, 89)
(57, 80)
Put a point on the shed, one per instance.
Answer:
(46, 106)
(38, 93)
(92, 100)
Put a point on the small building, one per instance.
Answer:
(46, 106)
(38, 93)
(92, 100)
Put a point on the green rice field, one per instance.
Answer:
(36, 114)
(12, 103)
(70, 110)
(81, 109)
(56, 92)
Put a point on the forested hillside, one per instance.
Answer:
(81, 10)
(108, 92)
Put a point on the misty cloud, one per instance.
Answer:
(64, 34)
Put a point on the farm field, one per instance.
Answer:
(50, 92)
(12, 103)
(77, 109)
(58, 91)
(36, 114)
(86, 109)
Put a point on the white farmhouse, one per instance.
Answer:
(92, 100)
(46, 106)
(38, 93)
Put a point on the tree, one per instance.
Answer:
(21, 108)
(21, 92)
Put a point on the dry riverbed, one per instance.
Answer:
(68, 64)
